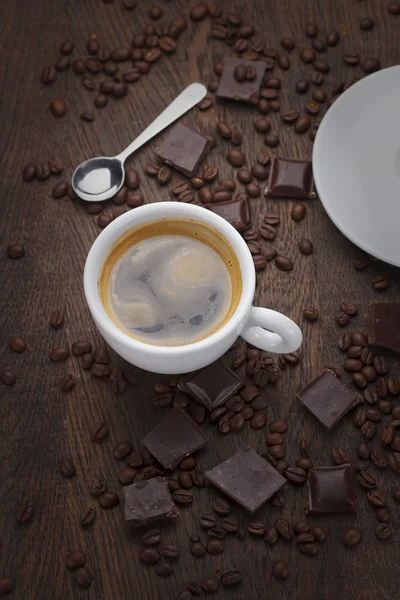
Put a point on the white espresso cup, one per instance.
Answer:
(260, 327)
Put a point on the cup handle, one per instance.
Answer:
(283, 335)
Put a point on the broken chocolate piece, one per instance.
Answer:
(290, 178)
(236, 212)
(384, 326)
(245, 90)
(331, 490)
(147, 501)
(183, 149)
(213, 385)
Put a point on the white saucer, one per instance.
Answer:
(356, 164)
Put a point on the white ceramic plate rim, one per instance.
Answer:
(326, 190)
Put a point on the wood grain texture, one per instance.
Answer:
(39, 424)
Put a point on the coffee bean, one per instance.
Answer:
(67, 382)
(29, 172)
(8, 377)
(308, 55)
(296, 475)
(306, 246)
(24, 511)
(221, 506)
(208, 521)
(171, 551)
(386, 435)
(210, 585)
(333, 38)
(380, 365)
(18, 344)
(127, 475)
(215, 546)
(383, 531)
(302, 527)
(99, 370)
(256, 528)
(290, 116)
(340, 455)
(43, 171)
(284, 62)
(311, 30)
(197, 549)
(235, 157)
(352, 537)
(366, 24)
(75, 560)
(320, 534)
(149, 556)
(62, 64)
(376, 498)
(271, 140)
(67, 467)
(78, 66)
(280, 569)
(284, 528)
(318, 79)
(363, 451)
(109, 500)
(305, 538)
(230, 576)
(283, 263)
(302, 86)
(183, 496)
(48, 74)
(302, 124)
(379, 459)
(119, 90)
(354, 351)
(310, 549)
(396, 493)
(151, 537)
(342, 319)
(394, 462)
(58, 107)
(352, 365)
(164, 569)
(275, 438)
(382, 387)
(368, 429)
(121, 450)
(87, 516)
(310, 314)
(359, 380)
(351, 59)
(312, 107)
(298, 212)
(185, 480)
(370, 65)
(258, 420)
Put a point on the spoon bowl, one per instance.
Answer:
(98, 178)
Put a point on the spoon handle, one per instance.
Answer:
(182, 103)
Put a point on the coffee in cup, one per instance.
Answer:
(171, 282)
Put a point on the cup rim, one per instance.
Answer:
(104, 241)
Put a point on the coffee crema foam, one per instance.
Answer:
(171, 283)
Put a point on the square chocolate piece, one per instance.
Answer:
(328, 399)
(175, 437)
(246, 90)
(183, 149)
(236, 212)
(147, 501)
(331, 490)
(212, 385)
(290, 178)
(384, 326)
(246, 478)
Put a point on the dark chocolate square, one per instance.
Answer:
(246, 478)
(290, 178)
(173, 438)
(244, 91)
(236, 212)
(212, 385)
(328, 399)
(183, 149)
(148, 500)
(331, 490)
(384, 326)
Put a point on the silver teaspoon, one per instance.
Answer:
(100, 178)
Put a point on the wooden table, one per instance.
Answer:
(39, 423)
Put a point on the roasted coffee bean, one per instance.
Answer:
(352, 365)
(352, 537)
(344, 342)
(151, 538)
(29, 172)
(395, 445)
(394, 8)
(273, 439)
(302, 125)
(370, 65)
(17, 343)
(127, 475)
(109, 500)
(379, 459)
(258, 420)
(283, 263)
(81, 348)
(75, 560)
(197, 549)
(210, 585)
(93, 65)
(312, 107)
(280, 569)
(308, 55)
(301, 527)
(394, 462)
(208, 521)
(305, 538)
(87, 516)
(235, 157)
(290, 116)
(310, 314)
(368, 429)
(376, 498)
(393, 386)
(149, 556)
(24, 511)
(99, 370)
(271, 140)
(78, 66)
(310, 549)
(363, 451)
(302, 86)
(62, 64)
(306, 246)
(58, 108)
(380, 365)
(267, 232)
(278, 426)
(342, 319)
(230, 576)
(67, 382)
(272, 219)
(383, 531)
(87, 361)
(366, 480)
(320, 534)
(318, 94)
(215, 546)
(318, 79)
(253, 190)
(386, 435)
(164, 569)
(59, 354)
(359, 380)
(171, 551)
(284, 62)
(43, 171)
(122, 450)
(359, 417)
(382, 388)
(183, 496)
(256, 528)
(217, 532)
(185, 480)
(221, 506)
(354, 351)
(296, 475)
(340, 455)
(119, 90)
(298, 212)
(164, 175)
(48, 74)
(67, 467)
(259, 403)
(284, 528)
(262, 125)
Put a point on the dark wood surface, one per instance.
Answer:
(39, 424)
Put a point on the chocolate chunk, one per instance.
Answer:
(384, 326)
(328, 399)
(183, 149)
(147, 501)
(213, 385)
(290, 179)
(246, 478)
(236, 212)
(331, 490)
(175, 437)
(244, 90)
